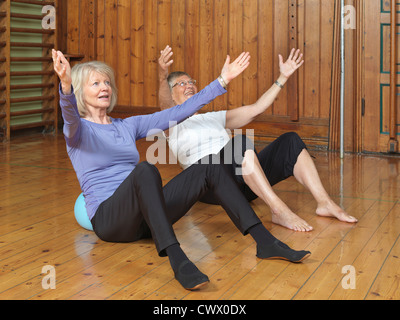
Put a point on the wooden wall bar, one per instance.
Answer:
(5, 71)
(130, 34)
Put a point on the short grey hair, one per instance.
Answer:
(174, 75)
(80, 75)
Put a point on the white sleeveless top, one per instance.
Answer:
(198, 136)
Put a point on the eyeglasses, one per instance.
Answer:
(184, 83)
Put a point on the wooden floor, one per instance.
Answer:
(38, 190)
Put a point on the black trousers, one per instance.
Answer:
(142, 208)
(277, 160)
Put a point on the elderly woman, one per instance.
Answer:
(125, 199)
(195, 139)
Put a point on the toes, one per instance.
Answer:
(351, 219)
(303, 228)
(347, 218)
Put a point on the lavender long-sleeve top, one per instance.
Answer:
(103, 155)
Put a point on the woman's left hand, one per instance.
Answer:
(294, 62)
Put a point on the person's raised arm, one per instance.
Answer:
(63, 70)
(228, 73)
(68, 103)
(164, 92)
(239, 117)
(161, 120)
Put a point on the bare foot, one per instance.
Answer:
(288, 219)
(333, 210)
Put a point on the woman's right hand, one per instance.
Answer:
(231, 70)
(63, 70)
(164, 62)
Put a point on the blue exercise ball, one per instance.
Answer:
(81, 213)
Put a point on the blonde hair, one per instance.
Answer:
(80, 75)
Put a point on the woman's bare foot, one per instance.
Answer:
(331, 209)
(288, 219)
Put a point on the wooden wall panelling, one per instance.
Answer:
(100, 30)
(151, 53)
(123, 74)
(62, 26)
(372, 78)
(111, 33)
(301, 20)
(359, 72)
(235, 47)
(354, 83)
(201, 34)
(393, 145)
(266, 55)
(73, 27)
(350, 87)
(191, 42)
(164, 21)
(250, 44)
(137, 53)
(389, 84)
(221, 48)
(178, 34)
(327, 13)
(207, 45)
(377, 118)
(312, 53)
(87, 28)
(334, 120)
(281, 46)
(292, 85)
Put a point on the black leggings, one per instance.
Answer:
(142, 208)
(277, 160)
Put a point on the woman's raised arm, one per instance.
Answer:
(63, 70)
